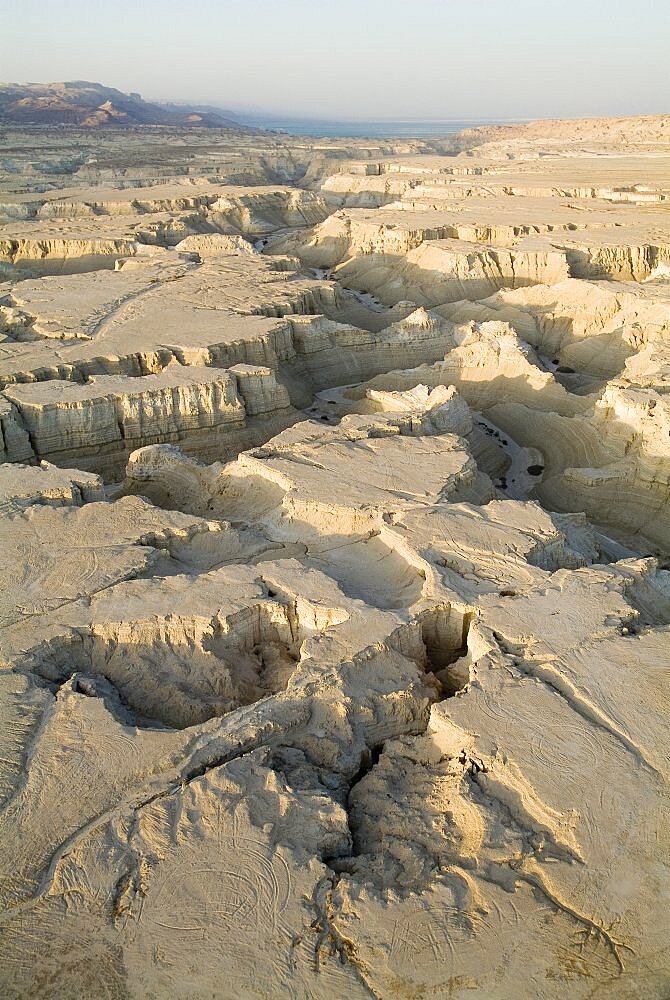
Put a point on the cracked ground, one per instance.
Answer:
(334, 539)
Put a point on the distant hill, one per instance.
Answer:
(91, 105)
(621, 133)
(178, 107)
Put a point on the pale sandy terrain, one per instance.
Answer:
(334, 535)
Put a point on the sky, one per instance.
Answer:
(465, 59)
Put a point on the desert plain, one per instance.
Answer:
(334, 539)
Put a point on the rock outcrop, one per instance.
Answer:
(334, 600)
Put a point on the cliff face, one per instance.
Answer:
(98, 424)
(79, 235)
(334, 601)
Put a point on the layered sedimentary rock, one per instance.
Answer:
(334, 526)
(26, 485)
(102, 421)
(52, 236)
(591, 327)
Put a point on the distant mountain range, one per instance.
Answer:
(91, 105)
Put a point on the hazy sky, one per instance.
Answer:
(355, 58)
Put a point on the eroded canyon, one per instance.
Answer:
(335, 517)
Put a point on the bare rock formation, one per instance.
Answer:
(101, 422)
(334, 527)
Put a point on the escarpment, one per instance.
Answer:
(334, 599)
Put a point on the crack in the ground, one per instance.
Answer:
(327, 934)
(590, 926)
(547, 672)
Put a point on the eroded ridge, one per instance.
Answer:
(334, 516)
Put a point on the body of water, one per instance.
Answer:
(381, 129)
